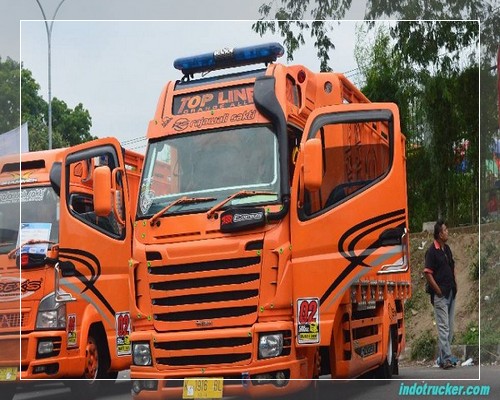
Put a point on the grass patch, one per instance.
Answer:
(469, 336)
(424, 347)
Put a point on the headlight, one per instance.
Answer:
(141, 353)
(51, 315)
(139, 385)
(270, 345)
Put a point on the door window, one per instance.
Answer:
(355, 155)
(80, 167)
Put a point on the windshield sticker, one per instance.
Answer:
(215, 99)
(12, 288)
(308, 320)
(25, 195)
(123, 346)
(146, 198)
(18, 178)
(183, 123)
(35, 231)
(72, 342)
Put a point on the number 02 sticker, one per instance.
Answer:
(308, 320)
(123, 346)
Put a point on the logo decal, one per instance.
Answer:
(243, 218)
(12, 288)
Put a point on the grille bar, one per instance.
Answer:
(204, 343)
(206, 314)
(206, 298)
(204, 360)
(204, 282)
(204, 266)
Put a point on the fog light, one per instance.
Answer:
(45, 347)
(141, 354)
(136, 387)
(262, 379)
(270, 345)
(150, 384)
(39, 369)
(281, 379)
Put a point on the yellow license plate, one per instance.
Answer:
(202, 388)
(8, 373)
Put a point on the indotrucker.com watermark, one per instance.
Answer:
(424, 389)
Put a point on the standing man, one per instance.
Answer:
(440, 274)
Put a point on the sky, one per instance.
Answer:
(115, 56)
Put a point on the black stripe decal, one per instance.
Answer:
(355, 261)
(88, 283)
(87, 255)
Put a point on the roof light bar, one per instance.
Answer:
(229, 58)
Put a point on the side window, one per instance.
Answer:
(80, 167)
(354, 156)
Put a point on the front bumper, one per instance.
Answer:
(242, 376)
(22, 356)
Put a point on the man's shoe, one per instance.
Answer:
(448, 365)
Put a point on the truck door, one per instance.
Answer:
(99, 247)
(349, 207)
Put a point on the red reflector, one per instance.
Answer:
(301, 76)
(25, 259)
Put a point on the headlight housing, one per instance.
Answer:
(270, 345)
(141, 353)
(51, 314)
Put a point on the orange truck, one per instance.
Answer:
(271, 234)
(63, 271)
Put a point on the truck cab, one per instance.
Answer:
(64, 264)
(271, 237)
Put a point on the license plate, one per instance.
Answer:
(8, 373)
(202, 388)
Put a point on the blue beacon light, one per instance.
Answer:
(228, 58)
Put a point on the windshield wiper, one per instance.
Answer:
(241, 193)
(181, 200)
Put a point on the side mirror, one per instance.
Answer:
(313, 164)
(102, 191)
(55, 177)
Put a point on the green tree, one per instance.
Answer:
(9, 95)
(427, 68)
(72, 124)
(286, 17)
(69, 126)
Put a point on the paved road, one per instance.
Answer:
(413, 376)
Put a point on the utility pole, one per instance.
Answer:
(48, 28)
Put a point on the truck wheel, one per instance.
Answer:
(385, 370)
(93, 360)
(96, 366)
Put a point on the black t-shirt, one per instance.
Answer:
(440, 261)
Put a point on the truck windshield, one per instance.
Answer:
(210, 164)
(39, 214)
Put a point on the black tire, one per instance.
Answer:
(97, 364)
(385, 370)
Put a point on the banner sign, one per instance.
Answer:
(214, 99)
